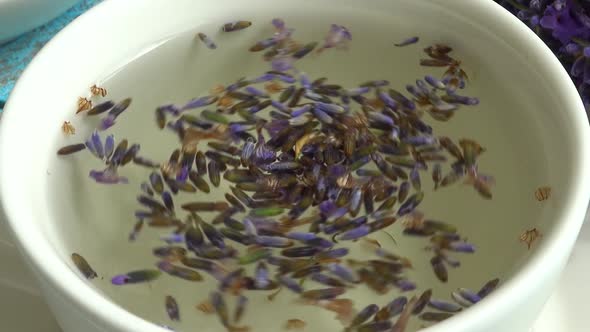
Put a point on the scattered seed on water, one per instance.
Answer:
(530, 236)
(543, 193)
(295, 324)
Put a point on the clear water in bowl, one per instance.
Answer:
(97, 219)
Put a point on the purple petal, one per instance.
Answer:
(278, 23)
(91, 148)
(97, 144)
(578, 67)
(109, 146)
(120, 280)
(107, 122)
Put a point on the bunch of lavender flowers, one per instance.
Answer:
(564, 25)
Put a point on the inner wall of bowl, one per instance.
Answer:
(515, 121)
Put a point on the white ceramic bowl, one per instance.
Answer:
(19, 16)
(34, 113)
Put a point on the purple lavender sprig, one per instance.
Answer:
(564, 25)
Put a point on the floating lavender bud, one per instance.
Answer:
(338, 37)
(439, 268)
(408, 41)
(300, 236)
(415, 179)
(305, 251)
(469, 295)
(489, 287)
(323, 116)
(378, 326)
(120, 108)
(280, 106)
(83, 266)
(342, 272)
(462, 247)
(101, 108)
(207, 41)
(282, 64)
(256, 92)
(69, 149)
(392, 309)
(410, 204)
(108, 176)
(327, 280)
(387, 100)
(263, 44)
(212, 234)
(435, 316)
(365, 314)
(135, 277)
(434, 82)
(290, 283)
(214, 173)
(180, 272)
(329, 108)
(323, 294)
(304, 50)
(445, 306)
(273, 241)
(199, 102)
(422, 301)
(240, 307)
(172, 308)
(217, 301)
(355, 233)
(172, 238)
(261, 279)
(235, 26)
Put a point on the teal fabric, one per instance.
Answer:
(16, 54)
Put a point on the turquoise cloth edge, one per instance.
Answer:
(16, 54)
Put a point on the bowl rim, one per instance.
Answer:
(68, 284)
